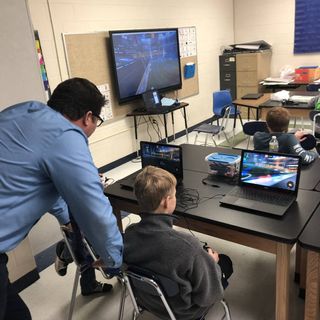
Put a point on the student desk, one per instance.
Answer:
(252, 104)
(300, 110)
(142, 113)
(310, 241)
(265, 233)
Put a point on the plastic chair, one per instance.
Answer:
(221, 100)
(139, 281)
(69, 237)
(213, 130)
(251, 127)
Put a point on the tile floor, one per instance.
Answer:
(251, 293)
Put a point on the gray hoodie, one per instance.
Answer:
(154, 245)
(288, 143)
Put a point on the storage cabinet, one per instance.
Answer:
(241, 73)
(251, 69)
(227, 66)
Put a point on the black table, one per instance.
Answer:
(142, 113)
(310, 241)
(273, 235)
(193, 159)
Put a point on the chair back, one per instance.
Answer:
(222, 99)
(314, 116)
(147, 287)
(251, 127)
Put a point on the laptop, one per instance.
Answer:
(268, 183)
(252, 96)
(165, 156)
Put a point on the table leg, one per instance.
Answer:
(136, 134)
(165, 127)
(282, 281)
(185, 123)
(172, 121)
(257, 114)
(311, 309)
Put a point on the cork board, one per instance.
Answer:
(88, 56)
(190, 87)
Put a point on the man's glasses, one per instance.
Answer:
(99, 120)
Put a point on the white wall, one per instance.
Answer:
(272, 21)
(213, 20)
(20, 77)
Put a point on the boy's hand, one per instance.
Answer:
(213, 254)
(300, 135)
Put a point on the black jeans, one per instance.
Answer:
(12, 306)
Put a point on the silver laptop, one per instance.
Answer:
(165, 156)
(268, 183)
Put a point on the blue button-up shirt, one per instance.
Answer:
(44, 157)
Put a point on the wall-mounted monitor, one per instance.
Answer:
(145, 60)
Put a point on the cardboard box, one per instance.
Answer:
(307, 74)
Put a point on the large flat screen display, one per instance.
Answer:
(145, 60)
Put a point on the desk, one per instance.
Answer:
(141, 113)
(193, 159)
(301, 110)
(310, 241)
(252, 104)
(268, 234)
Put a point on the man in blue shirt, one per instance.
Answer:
(44, 156)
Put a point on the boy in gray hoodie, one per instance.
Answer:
(154, 245)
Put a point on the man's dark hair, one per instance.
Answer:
(75, 97)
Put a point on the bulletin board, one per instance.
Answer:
(88, 57)
(306, 33)
(188, 54)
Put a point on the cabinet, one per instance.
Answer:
(227, 67)
(241, 73)
(251, 69)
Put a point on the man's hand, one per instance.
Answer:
(213, 254)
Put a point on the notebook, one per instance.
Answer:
(268, 183)
(252, 96)
(165, 156)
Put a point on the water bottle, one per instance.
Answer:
(273, 144)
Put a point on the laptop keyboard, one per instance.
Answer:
(263, 196)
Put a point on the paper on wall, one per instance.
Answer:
(106, 111)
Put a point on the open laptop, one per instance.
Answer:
(268, 183)
(165, 156)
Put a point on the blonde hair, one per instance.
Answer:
(153, 184)
(278, 119)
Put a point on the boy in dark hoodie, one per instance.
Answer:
(278, 122)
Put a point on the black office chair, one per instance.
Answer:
(314, 116)
(251, 127)
(69, 238)
(142, 283)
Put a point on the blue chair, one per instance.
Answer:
(221, 100)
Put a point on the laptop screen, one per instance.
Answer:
(270, 170)
(165, 156)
